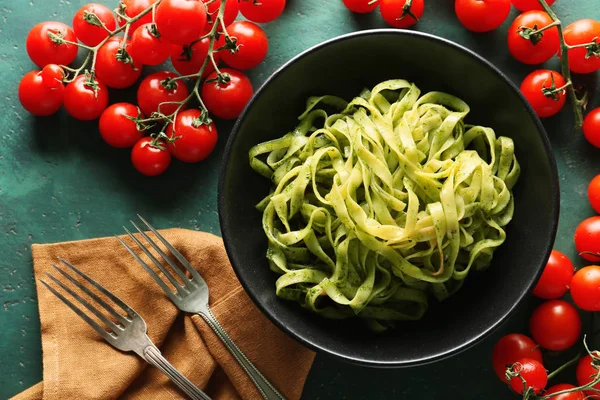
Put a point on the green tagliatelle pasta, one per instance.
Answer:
(386, 201)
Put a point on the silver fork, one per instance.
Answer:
(192, 296)
(129, 334)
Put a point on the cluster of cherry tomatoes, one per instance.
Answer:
(532, 39)
(151, 32)
(555, 325)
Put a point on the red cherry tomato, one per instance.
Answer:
(586, 373)
(578, 395)
(392, 12)
(116, 129)
(181, 21)
(531, 87)
(591, 127)
(132, 8)
(188, 60)
(262, 11)
(53, 75)
(587, 239)
(232, 9)
(511, 348)
(580, 32)
(116, 73)
(528, 5)
(148, 47)
(533, 372)
(547, 42)
(155, 89)
(360, 6)
(195, 141)
(253, 45)
(88, 33)
(38, 98)
(82, 102)
(150, 157)
(556, 277)
(482, 16)
(43, 51)
(227, 100)
(585, 288)
(555, 325)
(594, 193)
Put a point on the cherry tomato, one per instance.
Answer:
(53, 75)
(195, 141)
(533, 372)
(150, 156)
(262, 11)
(524, 50)
(591, 127)
(555, 325)
(82, 102)
(148, 47)
(482, 16)
(116, 129)
(132, 8)
(227, 100)
(181, 21)
(594, 193)
(155, 90)
(188, 60)
(531, 87)
(253, 45)
(43, 51)
(580, 32)
(556, 277)
(114, 72)
(587, 239)
(91, 34)
(511, 348)
(392, 12)
(38, 98)
(578, 395)
(360, 6)
(585, 288)
(232, 9)
(528, 5)
(586, 373)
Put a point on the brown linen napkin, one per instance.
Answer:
(79, 364)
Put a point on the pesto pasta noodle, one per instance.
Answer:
(386, 201)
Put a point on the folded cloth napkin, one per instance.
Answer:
(79, 364)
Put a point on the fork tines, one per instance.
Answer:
(185, 283)
(99, 308)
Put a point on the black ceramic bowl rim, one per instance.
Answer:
(299, 337)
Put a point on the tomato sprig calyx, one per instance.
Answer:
(406, 10)
(534, 34)
(92, 19)
(553, 92)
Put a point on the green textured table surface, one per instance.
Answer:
(59, 181)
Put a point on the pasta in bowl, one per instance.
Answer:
(381, 265)
(390, 197)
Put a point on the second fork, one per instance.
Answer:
(192, 295)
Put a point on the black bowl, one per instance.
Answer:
(343, 66)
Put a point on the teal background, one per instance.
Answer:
(59, 182)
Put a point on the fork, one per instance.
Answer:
(191, 295)
(129, 334)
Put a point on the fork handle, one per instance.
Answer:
(153, 355)
(266, 389)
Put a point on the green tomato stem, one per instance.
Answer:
(564, 62)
